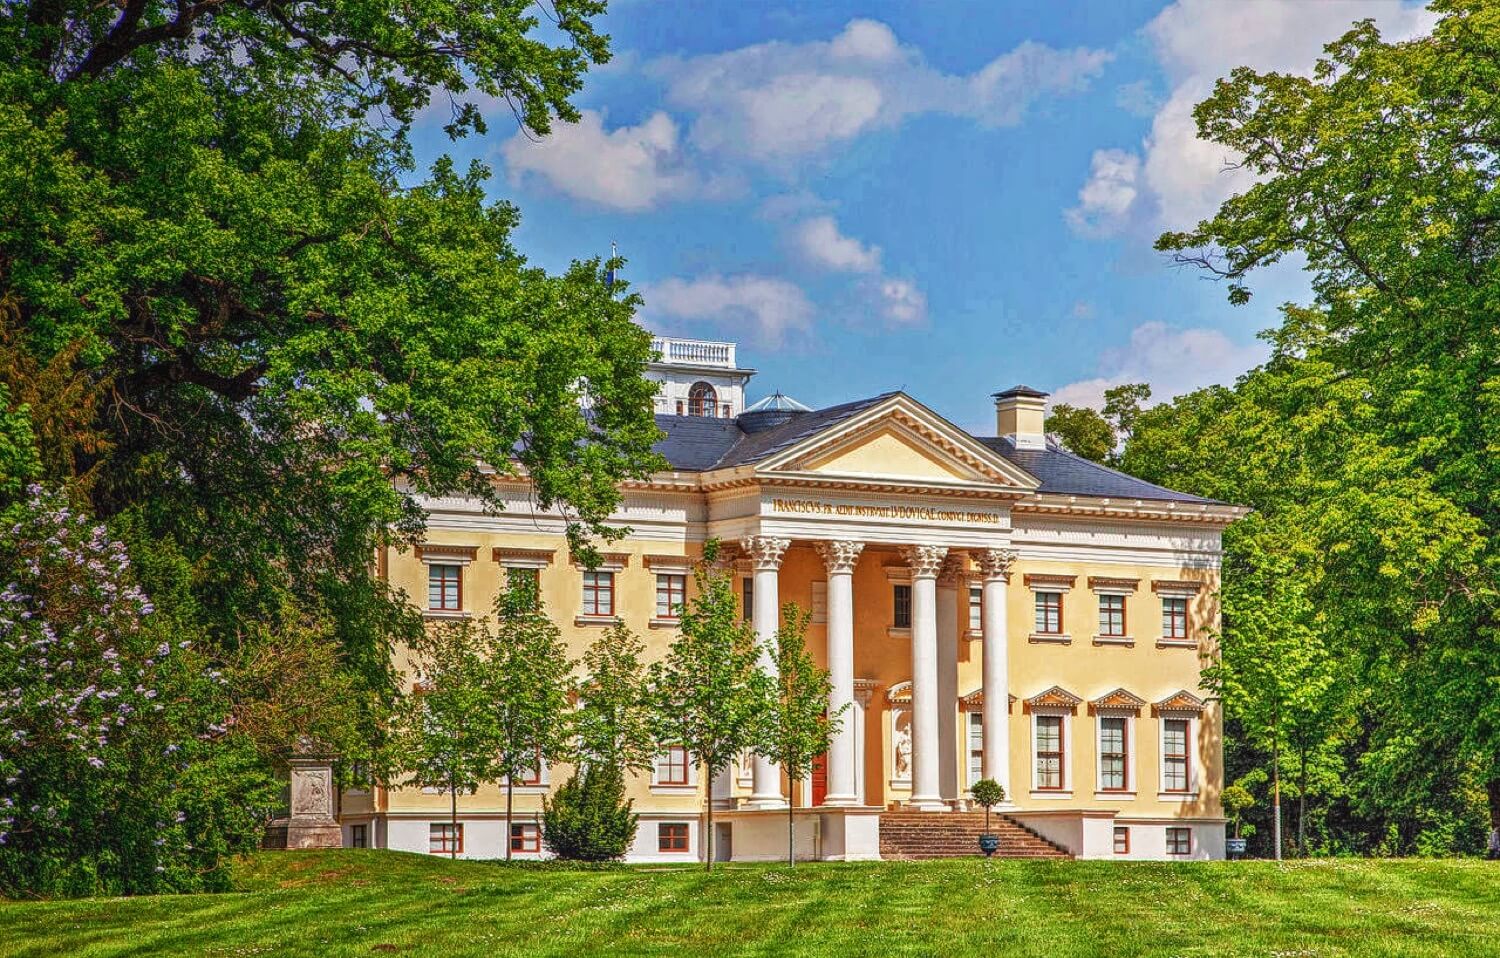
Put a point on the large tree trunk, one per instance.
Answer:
(1492, 792)
(1276, 787)
(1302, 805)
(453, 818)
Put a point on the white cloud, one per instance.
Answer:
(776, 101)
(1107, 197)
(819, 241)
(902, 303)
(1174, 360)
(629, 168)
(1183, 179)
(770, 309)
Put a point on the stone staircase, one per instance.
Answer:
(914, 835)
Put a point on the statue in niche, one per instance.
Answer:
(902, 746)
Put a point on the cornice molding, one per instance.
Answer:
(1117, 702)
(1056, 698)
(1179, 704)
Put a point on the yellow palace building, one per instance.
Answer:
(987, 606)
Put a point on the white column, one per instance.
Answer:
(924, 562)
(948, 582)
(994, 565)
(862, 692)
(840, 557)
(765, 554)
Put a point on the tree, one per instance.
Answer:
(526, 685)
(1236, 799)
(709, 696)
(1122, 407)
(1082, 431)
(613, 719)
(1378, 170)
(261, 333)
(988, 793)
(798, 726)
(446, 737)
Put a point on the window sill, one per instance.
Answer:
(1050, 638)
(595, 620)
(445, 614)
(898, 632)
(1183, 797)
(1123, 640)
(541, 789)
(1051, 795)
(974, 635)
(1103, 796)
(674, 789)
(1176, 643)
(664, 622)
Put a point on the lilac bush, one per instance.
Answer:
(118, 773)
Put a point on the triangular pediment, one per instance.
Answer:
(1056, 697)
(1180, 702)
(1118, 701)
(898, 440)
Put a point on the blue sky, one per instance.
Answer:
(948, 198)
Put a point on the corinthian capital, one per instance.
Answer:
(924, 561)
(764, 552)
(996, 563)
(839, 555)
(955, 569)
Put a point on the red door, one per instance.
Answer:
(820, 779)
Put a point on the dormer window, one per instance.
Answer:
(702, 400)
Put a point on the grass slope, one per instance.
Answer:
(374, 902)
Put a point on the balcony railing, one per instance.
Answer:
(699, 352)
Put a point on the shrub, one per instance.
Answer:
(589, 819)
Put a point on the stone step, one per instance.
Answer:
(924, 835)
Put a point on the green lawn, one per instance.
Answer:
(374, 902)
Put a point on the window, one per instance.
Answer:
(1049, 752)
(598, 593)
(525, 837)
(1111, 615)
(672, 837)
(1174, 754)
(680, 409)
(1179, 841)
(1113, 776)
(445, 837)
(532, 776)
(976, 608)
(1174, 621)
(726, 410)
(672, 766)
(747, 598)
(671, 593)
(525, 583)
(976, 747)
(1122, 840)
(702, 400)
(901, 614)
(445, 587)
(359, 836)
(1049, 613)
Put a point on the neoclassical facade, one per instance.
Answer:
(987, 606)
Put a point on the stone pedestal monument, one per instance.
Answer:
(312, 823)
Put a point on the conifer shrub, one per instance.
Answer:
(589, 819)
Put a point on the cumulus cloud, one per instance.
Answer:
(1182, 179)
(629, 168)
(1108, 195)
(769, 309)
(775, 101)
(1174, 360)
(819, 242)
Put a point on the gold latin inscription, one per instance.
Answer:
(924, 513)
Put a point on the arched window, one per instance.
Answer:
(702, 400)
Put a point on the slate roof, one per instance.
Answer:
(701, 443)
(1064, 473)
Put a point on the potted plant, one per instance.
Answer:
(1236, 799)
(988, 792)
